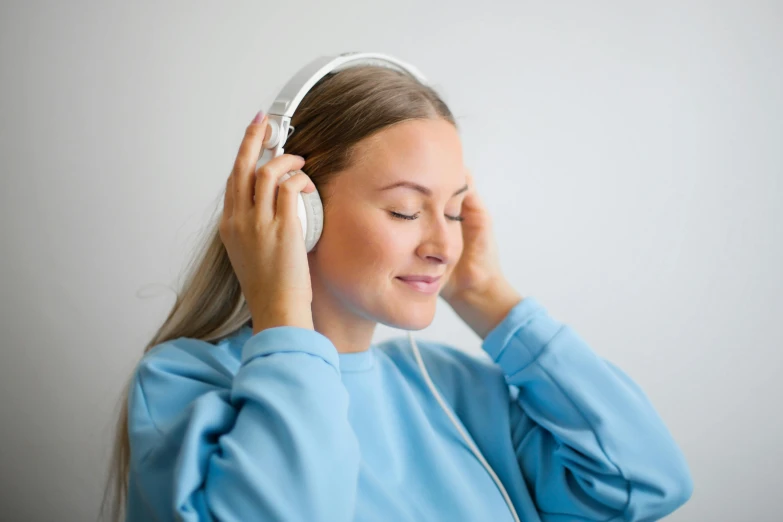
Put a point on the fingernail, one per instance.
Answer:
(259, 117)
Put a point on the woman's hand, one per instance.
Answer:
(479, 266)
(263, 237)
(477, 289)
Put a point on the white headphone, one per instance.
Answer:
(310, 208)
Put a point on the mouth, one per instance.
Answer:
(423, 284)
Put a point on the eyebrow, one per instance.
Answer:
(419, 188)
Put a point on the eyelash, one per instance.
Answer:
(403, 216)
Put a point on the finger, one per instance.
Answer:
(288, 195)
(472, 199)
(473, 208)
(267, 178)
(245, 165)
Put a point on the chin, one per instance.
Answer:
(411, 317)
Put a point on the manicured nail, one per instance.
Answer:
(259, 117)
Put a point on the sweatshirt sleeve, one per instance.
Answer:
(588, 441)
(270, 442)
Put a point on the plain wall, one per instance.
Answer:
(630, 154)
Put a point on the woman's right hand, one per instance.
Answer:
(263, 237)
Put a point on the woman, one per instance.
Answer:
(262, 398)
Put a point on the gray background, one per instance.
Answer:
(630, 154)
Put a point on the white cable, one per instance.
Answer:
(470, 444)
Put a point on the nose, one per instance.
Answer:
(435, 244)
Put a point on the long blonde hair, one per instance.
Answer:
(342, 109)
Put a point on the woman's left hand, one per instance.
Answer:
(476, 288)
(479, 266)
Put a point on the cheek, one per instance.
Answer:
(360, 247)
(380, 246)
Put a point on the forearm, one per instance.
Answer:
(485, 309)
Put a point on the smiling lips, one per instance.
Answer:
(425, 284)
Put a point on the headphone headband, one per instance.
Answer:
(289, 98)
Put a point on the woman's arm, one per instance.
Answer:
(588, 441)
(271, 442)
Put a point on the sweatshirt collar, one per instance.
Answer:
(357, 361)
(353, 362)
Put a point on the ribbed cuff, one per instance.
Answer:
(521, 335)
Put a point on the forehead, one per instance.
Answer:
(425, 151)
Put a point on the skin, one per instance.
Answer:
(363, 247)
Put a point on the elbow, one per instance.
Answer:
(676, 491)
(678, 478)
(682, 488)
(667, 488)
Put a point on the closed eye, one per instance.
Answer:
(416, 216)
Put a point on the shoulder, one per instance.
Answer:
(189, 359)
(174, 373)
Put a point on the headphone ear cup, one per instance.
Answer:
(311, 214)
(314, 214)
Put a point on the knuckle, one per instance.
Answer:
(252, 131)
(266, 172)
(258, 227)
(293, 183)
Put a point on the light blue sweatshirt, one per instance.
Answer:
(279, 426)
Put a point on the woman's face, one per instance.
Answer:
(364, 248)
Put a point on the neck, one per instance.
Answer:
(348, 334)
(349, 331)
